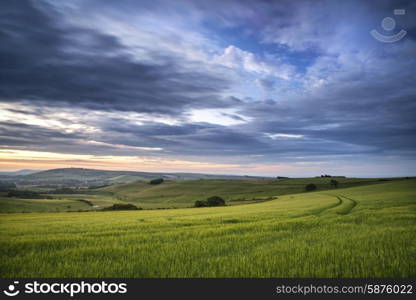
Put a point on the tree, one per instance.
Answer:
(156, 181)
(310, 187)
(211, 201)
(122, 206)
(200, 203)
(334, 183)
(215, 201)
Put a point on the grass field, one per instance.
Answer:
(174, 193)
(9, 205)
(182, 190)
(364, 231)
(184, 193)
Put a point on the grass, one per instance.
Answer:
(178, 193)
(9, 205)
(364, 231)
(184, 193)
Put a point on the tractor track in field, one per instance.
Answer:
(324, 209)
(319, 211)
(347, 204)
(350, 205)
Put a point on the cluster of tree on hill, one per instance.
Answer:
(156, 181)
(211, 201)
(122, 206)
(311, 187)
(67, 190)
(334, 183)
(25, 194)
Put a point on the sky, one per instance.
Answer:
(269, 88)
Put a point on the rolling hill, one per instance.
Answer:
(172, 193)
(179, 193)
(363, 231)
(75, 177)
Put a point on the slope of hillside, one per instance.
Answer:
(91, 177)
(171, 193)
(318, 234)
(185, 193)
(19, 172)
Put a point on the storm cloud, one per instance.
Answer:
(264, 82)
(50, 63)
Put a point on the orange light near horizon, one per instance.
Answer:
(18, 159)
(12, 159)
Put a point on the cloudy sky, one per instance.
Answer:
(296, 88)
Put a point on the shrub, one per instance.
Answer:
(215, 201)
(156, 181)
(64, 190)
(211, 201)
(122, 206)
(200, 203)
(26, 194)
(310, 187)
(334, 183)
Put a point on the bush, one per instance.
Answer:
(121, 206)
(215, 201)
(310, 187)
(156, 181)
(64, 190)
(200, 203)
(211, 201)
(334, 183)
(25, 194)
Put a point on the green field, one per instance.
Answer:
(174, 193)
(9, 205)
(363, 231)
(184, 193)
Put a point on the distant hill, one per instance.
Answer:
(19, 172)
(79, 177)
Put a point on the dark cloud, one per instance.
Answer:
(355, 98)
(47, 62)
(31, 137)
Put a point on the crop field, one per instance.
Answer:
(181, 190)
(173, 193)
(8, 205)
(362, 231)
(184, 193)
